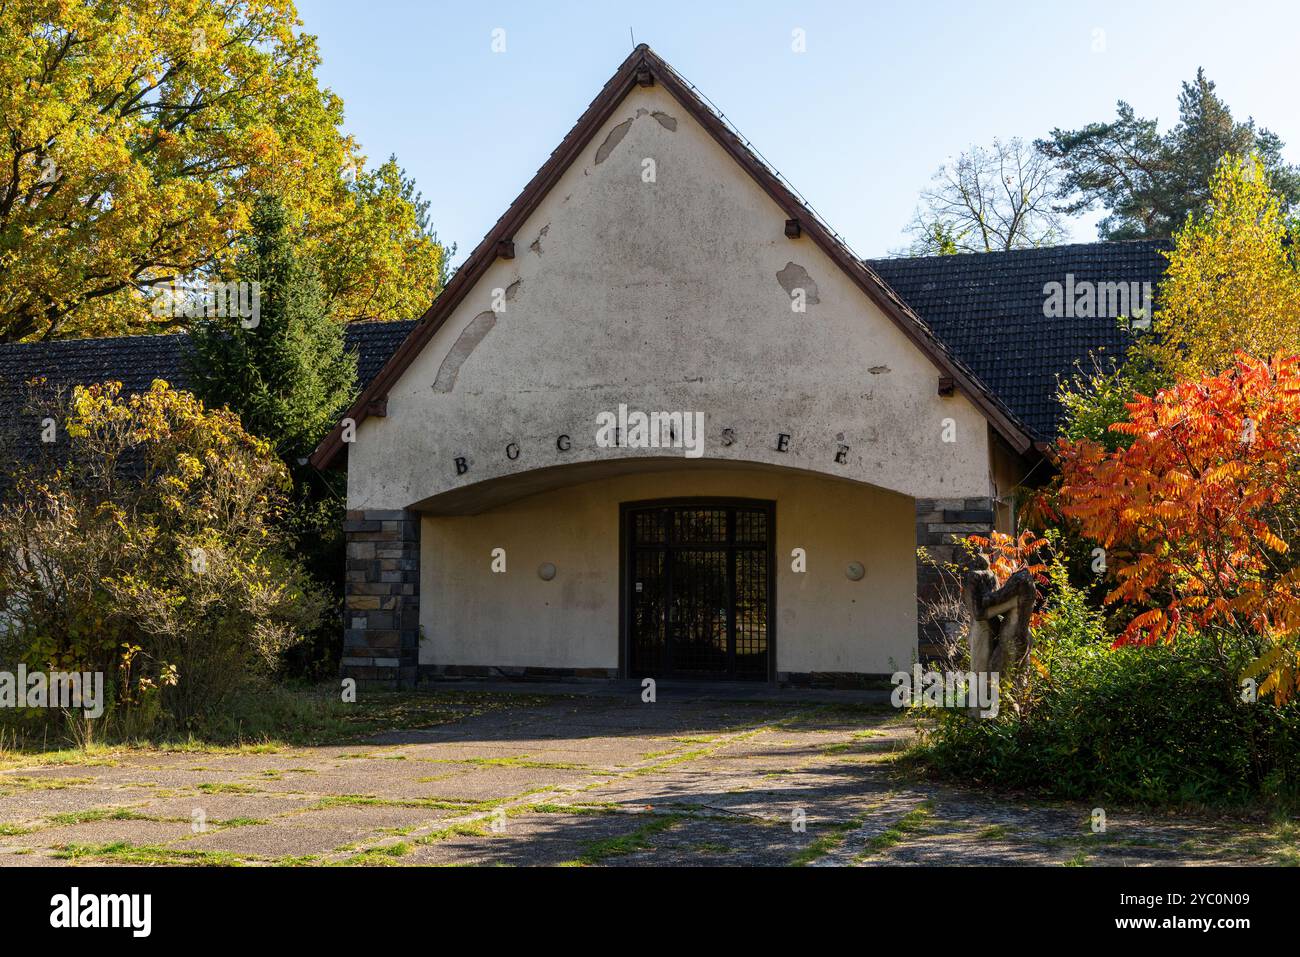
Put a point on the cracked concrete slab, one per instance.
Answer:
(272, 840)
(536, 840)
(109, 830)
(683, 782)
(26, 806)
(225, 807)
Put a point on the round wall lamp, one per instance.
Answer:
(854, 571)
(546, 571)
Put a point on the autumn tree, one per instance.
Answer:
(1096, 393)
(1233, 282)
(1232, 285)
(145, 545)
(136, 137)
(1008, 554)
(379, 258)
(1149, 182)
(1199, 515)
(988, 200)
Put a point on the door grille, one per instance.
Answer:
(699, 581)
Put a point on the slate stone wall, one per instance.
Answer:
(381, 603)
(941, 524)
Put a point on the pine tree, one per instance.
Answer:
(289, 376)
(1150, 183)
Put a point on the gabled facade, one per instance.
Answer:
(505, 514)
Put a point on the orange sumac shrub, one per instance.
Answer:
(1007, 554)
(1198, 514)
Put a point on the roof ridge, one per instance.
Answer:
(1096, 244)
(82, 340)
(174, 334)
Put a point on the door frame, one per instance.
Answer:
(697, 501)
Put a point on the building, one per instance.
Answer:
(663, 422)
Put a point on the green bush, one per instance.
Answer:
(1148, 725)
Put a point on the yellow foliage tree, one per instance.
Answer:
(147, 544)
(137, 136)
(1232, 284)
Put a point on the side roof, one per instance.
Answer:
(136, 361)
(988, 309)
(644, 67)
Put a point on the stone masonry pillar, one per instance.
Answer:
(381, 598)
(941, 524)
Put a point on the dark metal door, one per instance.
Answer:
(699, 589)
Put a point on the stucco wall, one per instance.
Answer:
(1009, 473)
(825, 622)
(665, 296)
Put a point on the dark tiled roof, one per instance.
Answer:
(374, 342)
(988, 309)
(136, 361)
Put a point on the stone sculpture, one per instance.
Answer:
(999, 618)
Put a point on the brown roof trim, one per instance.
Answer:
(601, 108)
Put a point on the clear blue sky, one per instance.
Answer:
(858, 123)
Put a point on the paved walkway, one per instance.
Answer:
(596, 778)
